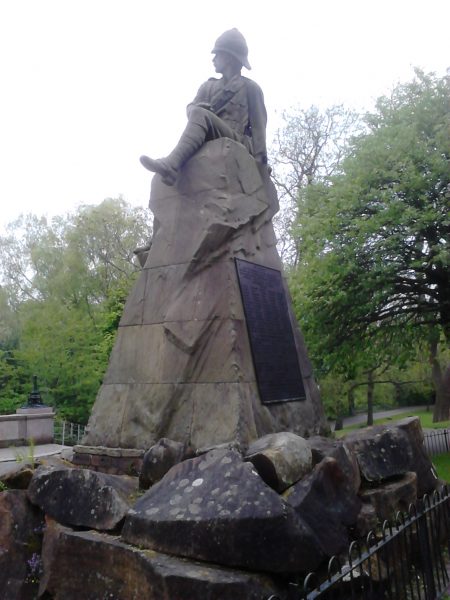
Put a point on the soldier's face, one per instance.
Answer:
(220, 61)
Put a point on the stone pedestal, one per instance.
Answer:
(115, 461)
(182, 366)
(34, 410)
(27, 424)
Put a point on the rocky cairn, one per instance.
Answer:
(224, 524)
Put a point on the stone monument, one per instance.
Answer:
(32, 423)
(208, 351)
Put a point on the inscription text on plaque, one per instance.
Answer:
(270, 331)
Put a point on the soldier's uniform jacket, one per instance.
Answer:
(240, 104)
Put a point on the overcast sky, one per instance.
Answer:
(87, 86)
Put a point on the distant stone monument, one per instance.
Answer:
(31, 423)
(208, 351)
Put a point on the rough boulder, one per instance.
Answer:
(216, 508)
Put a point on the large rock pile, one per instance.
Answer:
(220, 525)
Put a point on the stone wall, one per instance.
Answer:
(26, 425)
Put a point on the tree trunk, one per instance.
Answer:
(339, 425)
(351, 401)
(441, 383)
(397, 392)
(370, 389)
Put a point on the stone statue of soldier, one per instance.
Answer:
(232, 107)
(182, 367)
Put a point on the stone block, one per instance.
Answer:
(381, 453)
(148, 411)
(321, 447)
(108, 568)
(366, 521)
(83, 460)
(21, 526)
(82, 497)
(427, 480)
(327, 502)
(10, 429)
(35, 410)
(16, 475)
(182, 352)
(228, 170)
(171, 293)
(281, 459)
(199, 415)
(134, 306)
(217, 508)
(111, 452)
(198, 221)
(222, 414)
(25, 425)
(390, 497)
(386, 451)
(159, 459)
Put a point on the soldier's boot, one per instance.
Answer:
(160, 166)
(191, 140)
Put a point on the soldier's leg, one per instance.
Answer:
(202, 126)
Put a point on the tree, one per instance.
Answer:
(63, 346)
(375, 277)
(308, 148)
(78, 258)
(64, 283)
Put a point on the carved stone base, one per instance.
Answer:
(182, 367)
(116, 461)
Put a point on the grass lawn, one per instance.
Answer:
(426, 418)
(442, 465)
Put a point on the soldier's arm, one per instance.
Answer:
(258, 121)
(203, 97)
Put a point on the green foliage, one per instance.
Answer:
(64, 284)
(415, 394)
(441, 463)
(333, 394)
(407, 386)
(374, 280)
(28, 456)
(61, 344)
(111, 314)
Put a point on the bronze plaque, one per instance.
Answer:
(270, 331)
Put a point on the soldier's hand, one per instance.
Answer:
(206, 105)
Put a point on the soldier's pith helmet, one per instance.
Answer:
(233, 42)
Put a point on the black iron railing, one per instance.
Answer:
(437, 442)
(406, 560)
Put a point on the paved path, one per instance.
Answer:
(362, 418)
(12, 453)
